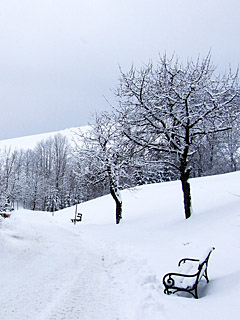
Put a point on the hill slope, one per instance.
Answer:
(29, 142)
(52, 269)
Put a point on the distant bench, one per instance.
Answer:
(191, 272)
(78, 218)
(5, 215)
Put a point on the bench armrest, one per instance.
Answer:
(187, 259)
(170, 280)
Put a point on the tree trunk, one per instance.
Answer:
(186, 192)
(185, 173)
(118, 211)
(118, 204)
(115, 193)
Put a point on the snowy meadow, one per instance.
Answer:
(53, 269)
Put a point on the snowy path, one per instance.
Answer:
(52, 273)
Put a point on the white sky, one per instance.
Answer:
(58, 58)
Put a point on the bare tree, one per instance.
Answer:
(103, 157)
(170, 108)
(229, 147)
(53, 156)
(45, 175)
(10, 170)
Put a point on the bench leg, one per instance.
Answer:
(196, 293)
(206, 275)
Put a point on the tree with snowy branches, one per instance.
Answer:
(103, 157)
(170, 108)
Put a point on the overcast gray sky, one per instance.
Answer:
(59, 58)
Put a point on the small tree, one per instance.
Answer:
(103, 157)
(170, 108)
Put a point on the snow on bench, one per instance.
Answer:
(190, 273)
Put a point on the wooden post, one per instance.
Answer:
(75, 214)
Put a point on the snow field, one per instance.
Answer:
(98, 270)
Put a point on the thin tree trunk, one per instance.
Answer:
(118, 212)
(115, 193)
(185, 173)
(118, 204)
(186, 192)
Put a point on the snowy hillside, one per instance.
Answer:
(52, 269)
(29, 142)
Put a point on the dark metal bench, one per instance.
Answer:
(187, 280)
(77, 218)
(5, 215)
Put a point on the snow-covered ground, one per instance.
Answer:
(29, 142)
(53, 269)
